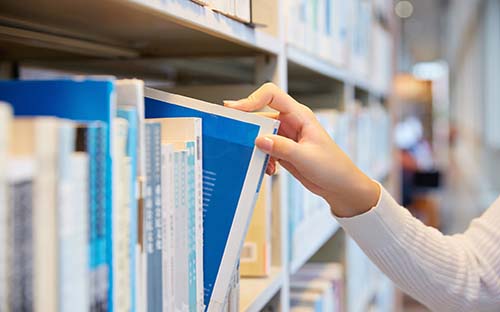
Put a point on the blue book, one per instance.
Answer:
(153, 221)
(80, 100)
(233, 168)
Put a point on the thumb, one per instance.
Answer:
(278, 146)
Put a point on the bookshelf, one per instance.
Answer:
(167, 43)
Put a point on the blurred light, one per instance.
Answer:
(430, 70)
(404, 9)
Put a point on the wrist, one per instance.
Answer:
(354, 198)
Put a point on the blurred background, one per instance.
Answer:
(447, 94)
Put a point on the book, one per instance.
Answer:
(79, 99)
(153, 221)
(129, 113)
(20, 176)
(185, 133)
(130, 102)
(255, 259)
(121, 216)
(235, 168)
(73, 226)
(38, 138)
(72, 220)
(5, 137)
(169, 232)
(317, 272)
(92, 138)
(181, 274)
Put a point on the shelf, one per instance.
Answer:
(301, 62)
(255, 293)
(147, 27)
(318, 229)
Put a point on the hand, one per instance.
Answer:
(306, 150)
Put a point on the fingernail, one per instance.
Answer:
(230, 103)
(265, 144)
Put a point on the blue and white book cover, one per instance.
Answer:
(232, 171)
(80, 99)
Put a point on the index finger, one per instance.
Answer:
(267, 95)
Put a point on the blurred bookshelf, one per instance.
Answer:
(334, 56)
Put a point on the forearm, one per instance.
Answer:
(443, 272)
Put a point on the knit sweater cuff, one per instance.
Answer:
(381, 226)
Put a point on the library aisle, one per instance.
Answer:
(126, 183)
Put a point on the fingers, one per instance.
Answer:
(278, 147)
(273, 115)
(267, 95)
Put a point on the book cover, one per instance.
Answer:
(185, 133)
(255, 260)
(5, 136)
(153, 217)
(79, 99)
(234, 167)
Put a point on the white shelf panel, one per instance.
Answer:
(327, 69)
(256, 292)
(196, 16)
(316, 231)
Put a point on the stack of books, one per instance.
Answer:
(321, 28)
(350, 34)
(239, 10)
(317, 287)
(116, 197)
(372, 139)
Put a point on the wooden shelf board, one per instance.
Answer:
(256, 292)
(146, 26)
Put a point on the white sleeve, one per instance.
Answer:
(446, 273)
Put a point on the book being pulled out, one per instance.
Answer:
(232, 172)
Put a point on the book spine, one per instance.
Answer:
(181, 235)
(21, 246)
(199, 214)
(153, 217)
(73, 227)
(167, 184)
(97, 146)
(191, 205)
(121, 219)
(72, 207)
(131, 115)
(5, 134)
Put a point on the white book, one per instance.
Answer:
(183, 132)
(120, 218)
(130, 93)
(181, 231)
(5, 136)
(168, 209)
(38, 138)
(73, 229)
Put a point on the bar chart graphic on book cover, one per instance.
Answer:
(232, 172)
